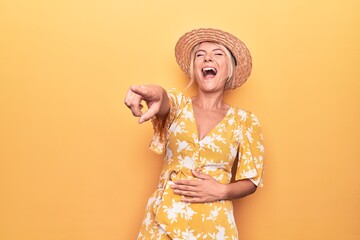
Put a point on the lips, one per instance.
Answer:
(209, 71)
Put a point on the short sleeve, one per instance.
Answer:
(161, 126)
(251, 149)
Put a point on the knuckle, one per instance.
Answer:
(132, 104)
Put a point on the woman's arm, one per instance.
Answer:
(155, 97)
(239, 189)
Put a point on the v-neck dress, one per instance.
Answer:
(237, 138)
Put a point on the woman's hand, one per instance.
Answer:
(155, 97)
(204, 189)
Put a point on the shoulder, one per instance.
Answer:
(245, 118)
(243, 114)
(177, 96)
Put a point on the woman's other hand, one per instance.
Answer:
(205, 189)
(155, 98)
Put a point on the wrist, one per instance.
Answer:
(225, 192)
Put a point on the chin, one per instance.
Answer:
(211, 89)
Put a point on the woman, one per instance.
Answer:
(202, 138)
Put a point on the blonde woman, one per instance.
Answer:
(202, 138)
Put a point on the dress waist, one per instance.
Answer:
(173, 214)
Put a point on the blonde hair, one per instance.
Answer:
(229, 57)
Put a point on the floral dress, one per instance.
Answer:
(236, 139)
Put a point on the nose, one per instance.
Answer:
(208, 58)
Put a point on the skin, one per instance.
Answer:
(209, 109)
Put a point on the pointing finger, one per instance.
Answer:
(133, 101)
(142, 91)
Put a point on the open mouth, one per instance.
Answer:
(209, 71)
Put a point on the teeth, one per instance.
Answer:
(208, 70)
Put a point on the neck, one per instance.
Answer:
(210, 101)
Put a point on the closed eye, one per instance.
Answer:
(200, 53)
(218, 53)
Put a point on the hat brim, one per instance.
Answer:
(189, 40)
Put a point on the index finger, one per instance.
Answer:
(133, 101)
(141, 90)
(194, 182)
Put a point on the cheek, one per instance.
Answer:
(196, 64)
(196, 69)
(226, 69)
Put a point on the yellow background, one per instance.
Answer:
(74, 163)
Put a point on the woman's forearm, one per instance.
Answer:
(239, 189)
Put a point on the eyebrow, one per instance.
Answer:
(216, 49)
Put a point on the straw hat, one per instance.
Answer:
(186, 43)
